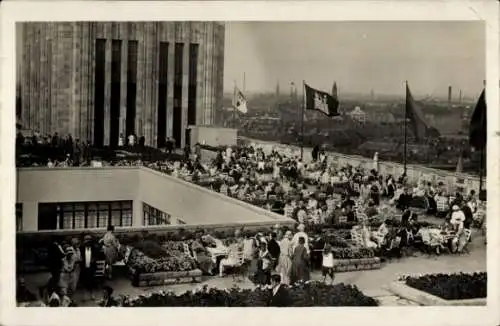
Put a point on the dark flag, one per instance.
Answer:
(320, 101)
(416, 120)
(335, 91)
(477, 128)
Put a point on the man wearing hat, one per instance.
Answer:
(88, 269)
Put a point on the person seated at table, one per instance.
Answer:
(405, 217)
(367, 237)
(371, 210)
(381, 233)
(242, 191)
(469, 216)
(301, 213)
(347, 201)
(349, 214)
(325, 177)
(314, 216)
(224, 188)
(288, 209)
(430, 193)
(232, 260)
(404, 200)
(312, 203)
(330, 203)
(202, 255)
(375, 193)
(323, 214)
(457, 218)
(472, 202)
(458, 199)
(391, 186)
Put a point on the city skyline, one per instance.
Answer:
(271, 52)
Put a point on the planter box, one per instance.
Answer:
(361, 264)
(426, 299)
(165, 278)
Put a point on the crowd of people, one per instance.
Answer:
(256, 255)
(74, 263)
(316, 193)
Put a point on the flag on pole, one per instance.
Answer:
(477, 128)
(320, 101)
(416, 120)
(335, 91)
(239, 101)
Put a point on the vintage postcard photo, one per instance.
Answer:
(190, 162)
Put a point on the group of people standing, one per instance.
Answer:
(73, 264)
(282, 253)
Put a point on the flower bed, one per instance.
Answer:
(451, 286)
(352, 253)
(309, 294)
(151, 264)
(358, 264)
(150, 257)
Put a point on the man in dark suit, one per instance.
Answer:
(274, 249)
(280, 296)
(55, 256)
(404, 200)
(90, 254)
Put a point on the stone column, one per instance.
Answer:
(185, 80)
(123, 78)
(107, 88)
(155, 57)
(76, 125)
(200, 75)
(170, 38)
(140, 79)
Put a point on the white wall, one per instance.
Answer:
(180, 199)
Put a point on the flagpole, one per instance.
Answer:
(404, 131)
(481, 171)
(302, 120)
(234, 106)
(244, 82)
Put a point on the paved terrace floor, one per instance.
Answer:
(372, 283)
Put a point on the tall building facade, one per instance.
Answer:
(99, 80)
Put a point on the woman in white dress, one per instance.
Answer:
(285, 259)
(300, 234)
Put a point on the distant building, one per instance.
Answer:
(358, 115)
(97, 80)
(381, 117)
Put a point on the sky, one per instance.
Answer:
(359, 56)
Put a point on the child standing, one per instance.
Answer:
(328, 263)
